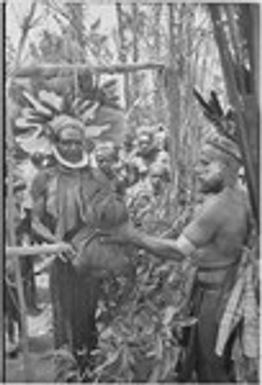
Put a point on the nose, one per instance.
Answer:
(198, 169)
(74, 145)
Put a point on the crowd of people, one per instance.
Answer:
(76, 192)
(138, 171)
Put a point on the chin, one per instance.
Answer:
(72, 158)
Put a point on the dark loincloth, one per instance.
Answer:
(208, 303)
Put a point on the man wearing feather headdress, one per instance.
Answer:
(69, 198)
(61, 195)
(70, 201)
(214, 240)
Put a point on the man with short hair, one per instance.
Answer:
(214, 240)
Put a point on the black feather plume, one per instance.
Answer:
(216, 103)
(202, 102)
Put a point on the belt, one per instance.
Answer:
(210, 285)
(217, 267)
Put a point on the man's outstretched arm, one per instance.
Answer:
(164, 248)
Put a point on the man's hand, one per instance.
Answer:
(68, 253)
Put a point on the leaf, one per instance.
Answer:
(175, 354)
(202, 102)
(108, 332)
(170, 362)
(155, 374)
(51, 100)
(185, 322)
(37, 105)
(159, 347)
(109, 83)
(22, 123)
(169, 313)
(111, 359)
(86, 105)
(167, 365)
(96, 24)
(89, 113)
(96, 131)
(216, 103)
(34, 143)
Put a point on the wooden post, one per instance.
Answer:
(172, 88)
(52, 70)
(19, 282)
(35, 250)
(122, 52)
(26, 26)
(2, 9)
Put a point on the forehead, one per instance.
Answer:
(156, 174)
(209, 154)
(156, 171)
(144, 137)
(70, 132)
(105, 148)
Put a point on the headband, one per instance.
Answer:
(63, 121)
(225, 146)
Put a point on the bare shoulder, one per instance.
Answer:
(214, 210)
(212, 206)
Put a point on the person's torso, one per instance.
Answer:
(69, 195)
(225, 247)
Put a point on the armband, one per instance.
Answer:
(185, 245)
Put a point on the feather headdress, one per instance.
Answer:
(46, 105)
(225, 139)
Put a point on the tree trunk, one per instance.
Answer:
(158, 78)
(173, 101)
(76, 14)
(135, 56)
(122, 52)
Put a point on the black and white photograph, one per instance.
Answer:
(131, 156)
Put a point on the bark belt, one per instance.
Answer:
(214, 285)
(210, 285)
(218, 267)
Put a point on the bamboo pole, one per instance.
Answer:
(35, 250)
(26, 27)
(51, 70)
(19, 282)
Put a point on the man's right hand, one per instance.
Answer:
(67, 252)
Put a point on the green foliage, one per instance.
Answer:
(141, 343)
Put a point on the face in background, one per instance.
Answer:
(128, 143)
(156, 181)
(145, 143)
(210, 172)
(106, 157)
(70, 144)
(161, 140)
(158, 177)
